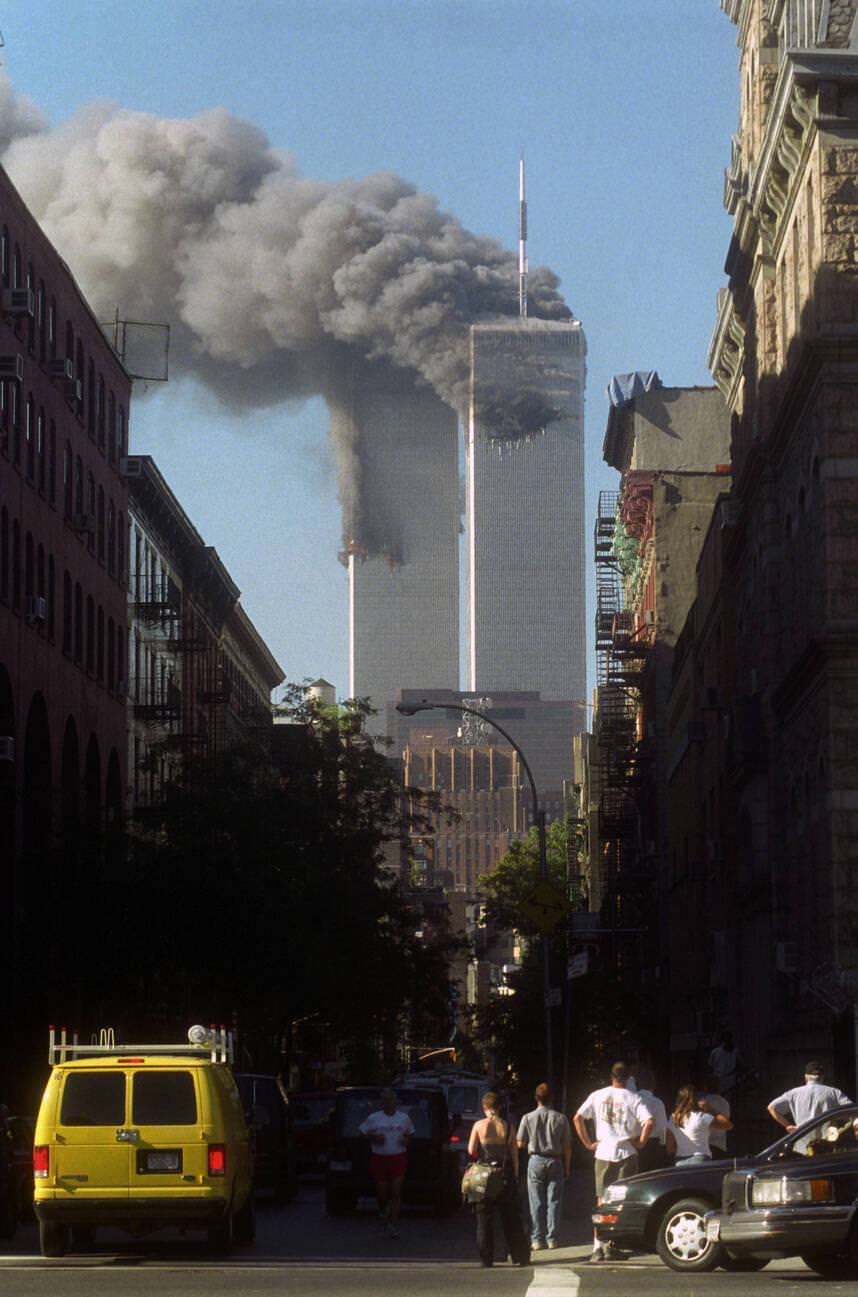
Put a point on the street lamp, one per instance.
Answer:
(411, 709)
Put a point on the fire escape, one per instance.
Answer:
(621, 651)
(155, 695)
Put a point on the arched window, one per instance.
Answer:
(99, 665)
(30, 437)
(4, 553)
(52, 462)
(100, 412)
(111, 654)
(41, 457)
(111, 428)
(90, 634)
(52, 594)
(16, 564)
(78, 622)
(100, 523)
(67, 612)
(111, 539)
(29, 565)
(68, 478)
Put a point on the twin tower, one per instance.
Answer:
(524, 524)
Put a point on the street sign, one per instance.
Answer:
(578, 965)
(553, 997)
(545, 905)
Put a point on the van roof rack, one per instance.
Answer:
(63, 1047)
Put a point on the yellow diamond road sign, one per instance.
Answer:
(545, 905)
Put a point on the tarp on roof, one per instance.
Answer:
(625, 387)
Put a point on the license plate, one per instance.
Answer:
(713, 1230)
(162, 1161)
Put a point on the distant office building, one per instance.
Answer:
(525, 508)
(404, 567)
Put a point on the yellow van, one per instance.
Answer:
(141, 1137)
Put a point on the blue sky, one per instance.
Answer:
(624, 108)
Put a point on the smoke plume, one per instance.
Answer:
(275, 286)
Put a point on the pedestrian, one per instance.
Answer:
(388, 1132)
(545, 1134)
(653, 1156)
(724, 1061)
(491, 1142)
(623, 1124)
(687, 1138)
(715, 1102)
(804, 1102)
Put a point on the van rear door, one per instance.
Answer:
(171, 1150)
(91, 1159)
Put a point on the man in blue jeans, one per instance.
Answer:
(546, 1135)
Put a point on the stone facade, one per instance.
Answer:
(785, 354)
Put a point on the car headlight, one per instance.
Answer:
(783, 1192)
(615, 1193)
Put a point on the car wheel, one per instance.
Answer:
(53, 1238)
(338, 1204)
(222, 1235)
(681, 1240)
(831, 1265)
(743, 1264)
(245, 1221)
(83, 1239)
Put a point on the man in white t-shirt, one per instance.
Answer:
(623, 1124)
(388, 1132)
(654, 1156)
(715, 1102)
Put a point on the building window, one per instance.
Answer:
(90, 634)
(31, 319)
(42, 321)
(121, 443)
(4, 255)
(16, 565)
(52, 583)
(16, 269)
(52, 328)
(78, 484)
(14, 407)
(100, 523)
(120, 660)
(120, 548)
(40, 571)
(30, 438)
(29, 564)
(90, 505)
(4, 553)
(41, 458)
(100, 414)
(111, 428)
(69, 342)
(99, 666)
(90, 399)
(79, 378)
(68, 478)
(78, 622)
(67, 613)
(111, 654)
(52, 462)
(111, 539)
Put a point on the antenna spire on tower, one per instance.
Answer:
(522, 242)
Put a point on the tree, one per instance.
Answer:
(507, 885)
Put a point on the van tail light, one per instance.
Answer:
(455, 1139)
(41, 1161)
(217, 1159)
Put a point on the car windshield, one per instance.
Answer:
(464, 1099)
(835, 1132)
(355, 1108)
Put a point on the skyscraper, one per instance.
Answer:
(404, 587)
(525, 508)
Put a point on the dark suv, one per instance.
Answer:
(16, 1171)
(269, 1119)
(433, 1175)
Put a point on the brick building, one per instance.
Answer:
(784, 354)
(64, 402)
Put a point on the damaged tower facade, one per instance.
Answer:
(525, 508)
(404, 585)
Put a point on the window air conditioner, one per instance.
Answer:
(82, 522)
(61, 367)
(12, 366)
(19, 301)
(131, 466)
(649, 617)
(36, 613)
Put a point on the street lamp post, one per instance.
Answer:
(411, 709)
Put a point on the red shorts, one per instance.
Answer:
(384, 1167)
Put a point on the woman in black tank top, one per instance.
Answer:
(492, 1141)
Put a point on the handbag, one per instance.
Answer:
(483, 1182)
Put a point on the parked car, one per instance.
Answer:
(270, 1120)
(16, 1171)
(464, 1094)
(433, 1178)
(311, 1119)
(797, 1199)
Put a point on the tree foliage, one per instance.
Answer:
(507, 885)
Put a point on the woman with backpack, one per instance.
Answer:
(687, 1135)
(492, 1144)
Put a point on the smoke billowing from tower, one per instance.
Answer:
(275, 285)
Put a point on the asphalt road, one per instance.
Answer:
(301, 1252)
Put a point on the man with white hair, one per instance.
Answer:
(804, 1102)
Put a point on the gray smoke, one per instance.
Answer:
(275, 286)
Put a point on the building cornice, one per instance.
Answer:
(727, 348)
